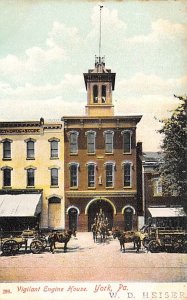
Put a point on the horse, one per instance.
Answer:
(127, 237)
(102, 229)
(60, 237)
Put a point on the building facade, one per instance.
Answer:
(160, 210)
(100, 157)
(31, 175)
(61, 174)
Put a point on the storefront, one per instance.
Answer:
(19, 211)
(168, 217)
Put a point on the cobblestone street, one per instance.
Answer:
(88, 261)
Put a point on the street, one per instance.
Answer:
(89, 261)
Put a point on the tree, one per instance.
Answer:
(173, 169)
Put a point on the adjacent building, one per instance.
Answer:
(31, 175)
(160, 210)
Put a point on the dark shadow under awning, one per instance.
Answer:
(163, 212)
(20, 205)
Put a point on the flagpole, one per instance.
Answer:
(101, 6)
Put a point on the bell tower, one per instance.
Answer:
(99, 84)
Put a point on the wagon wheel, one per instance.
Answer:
(154, 247)
(10, 247)
(44, 242)
(36, 246)
(145, 242)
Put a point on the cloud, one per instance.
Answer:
(33, 92)
(111, 23)
(52, 108)
(152, 108)
(160, 29)
(144, 84)
(34, 60)
(63, 35)
(56, 46)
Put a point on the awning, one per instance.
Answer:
(163, 212)
(20, 205)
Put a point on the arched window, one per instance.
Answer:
(91, 174)
(7, 149)
(108, 141)
(127, 136)
(91, 141)
(127, 174)
(128, 216)
(109, 169)
(30, 176)
(54, 147)
(103, 93)
(54, 176)
(95, 94)
(73, 140)
(73, 174)
(30, 148)
(6, 176)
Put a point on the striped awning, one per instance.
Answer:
(163, 212)
(20, 205)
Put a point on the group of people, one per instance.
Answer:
(100, 226)
(100, 219)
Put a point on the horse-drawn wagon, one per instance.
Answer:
(163, 239)
(100, 227)
(29, 238)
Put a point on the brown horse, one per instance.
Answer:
(102, 230)
(60, 237)
(128, 237)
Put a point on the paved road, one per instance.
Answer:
(88, 261)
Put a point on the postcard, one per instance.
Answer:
(92, 150)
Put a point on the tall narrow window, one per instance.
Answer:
(127, 174)
(7, 176)
(73, 142)
(103, 93)
(74, 175)
(91, 175)
(30, 177)
(109, 175)
(6, 149)
(54, 149)
(126, 141)
(54, 177)
(95, 94)
(91, 141)
(157, 187)
(30, 149)
(109, 141)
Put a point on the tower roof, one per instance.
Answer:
(99, 73)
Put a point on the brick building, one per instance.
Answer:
(160, 210)
(101, 159)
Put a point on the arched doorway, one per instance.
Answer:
(73, 218)
(95, 207)
(128, 219)
(54, 212)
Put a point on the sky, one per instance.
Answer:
(46, 46)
